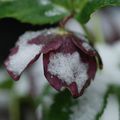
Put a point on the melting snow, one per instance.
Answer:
(69, 68)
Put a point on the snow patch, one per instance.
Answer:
(87, 46)
(92, 100)
(3, 75)
(44, 2)
(112, 110)
(74, 26)
(69, 68)
(22, 86)
(90, 103)
(57, 10)
(37, 74)
(25, 54)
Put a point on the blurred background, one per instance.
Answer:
(31, 98)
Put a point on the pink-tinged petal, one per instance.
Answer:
(23, 55)
(83, 45)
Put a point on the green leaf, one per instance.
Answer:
(31, 11)
(61, 107)
(64, 3)
(94, 5)
(7, 84)
(51, 11)
(71, 5)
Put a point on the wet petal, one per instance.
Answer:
(23, 55)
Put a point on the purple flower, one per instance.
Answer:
(68, 59)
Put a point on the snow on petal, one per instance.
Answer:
(69, 68)
(25, 54)
(90, 103)
(82, 44)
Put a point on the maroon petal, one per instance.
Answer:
(83, 45)
(28, 49)
(50, 42)
(77, 85)
(23, 55)
(52, 45)
(53, 80)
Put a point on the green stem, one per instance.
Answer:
(65, 20)
(14, 107)
(88, 34)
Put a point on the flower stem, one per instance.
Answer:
(14, 107)
(89, 35)
(65, 20)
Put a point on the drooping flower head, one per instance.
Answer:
(68, 59)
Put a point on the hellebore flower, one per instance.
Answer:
(68, 59)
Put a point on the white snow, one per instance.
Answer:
(23, 39)
(26, 52)
(74, 26)
(69, 68)
(111, 61)
(90, 103)
(92, 100)
(22, 86)
(4, 98)
(57, 10)
(37, 73)
(44, 2)
(3, 75)
(87, 46)
(112, 109)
